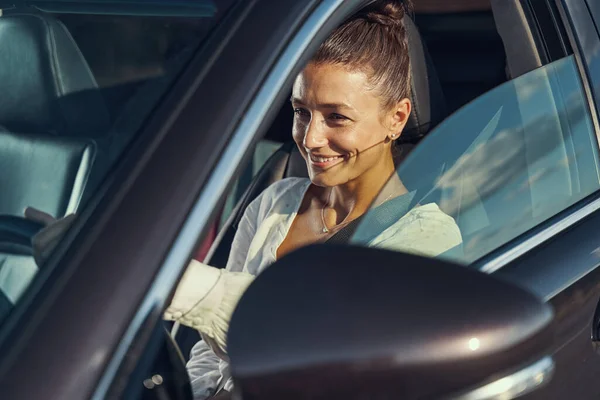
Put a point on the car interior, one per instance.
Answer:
(59, 147)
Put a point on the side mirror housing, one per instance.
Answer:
(342, 322)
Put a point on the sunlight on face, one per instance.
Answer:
(339, 125)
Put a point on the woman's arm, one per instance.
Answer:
(203, 369)
(205, 300)
(204, 366)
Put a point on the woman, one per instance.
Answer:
(350, 104)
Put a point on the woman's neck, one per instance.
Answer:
(353, 199)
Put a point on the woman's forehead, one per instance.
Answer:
(331, 84)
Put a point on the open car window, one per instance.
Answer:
(500, 166)
(79, 80)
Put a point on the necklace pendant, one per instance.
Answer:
(325, 230)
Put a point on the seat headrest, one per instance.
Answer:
(428, 103)
(46, 86)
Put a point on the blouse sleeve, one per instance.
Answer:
(204, 367)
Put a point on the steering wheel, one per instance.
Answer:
(16, 234)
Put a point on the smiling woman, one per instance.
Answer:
(341, 121)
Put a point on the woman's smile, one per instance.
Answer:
(325, 161)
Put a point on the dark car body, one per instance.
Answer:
(88, 327)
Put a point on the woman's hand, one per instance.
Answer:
(205, 299)
(44, 242)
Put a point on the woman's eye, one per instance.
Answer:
(301, 112)
(337, 117)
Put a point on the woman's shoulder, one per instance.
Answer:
(288, 191)
(429, 218)
(429, 212)
(425, 229)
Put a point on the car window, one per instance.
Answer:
(500, 166)
(78, 81)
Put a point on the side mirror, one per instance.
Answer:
(341, 322)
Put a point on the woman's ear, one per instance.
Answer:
(399, 117)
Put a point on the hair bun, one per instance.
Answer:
(387, 12)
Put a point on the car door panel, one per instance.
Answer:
(564, 272)
(538, 181)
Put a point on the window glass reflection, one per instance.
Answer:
(507, 161)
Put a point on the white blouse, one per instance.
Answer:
(424, 230)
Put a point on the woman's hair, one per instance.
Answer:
(374, 41)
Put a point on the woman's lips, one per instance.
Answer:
(324, 161)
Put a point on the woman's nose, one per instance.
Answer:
(315, 135)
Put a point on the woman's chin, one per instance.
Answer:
(325, 179)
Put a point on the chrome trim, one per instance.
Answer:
(539, 238)
(514, 385)
(178, 257)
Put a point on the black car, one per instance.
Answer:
(157, 122)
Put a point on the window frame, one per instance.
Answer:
(552, 37)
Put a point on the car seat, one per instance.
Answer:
(51, 112)
(51, 115)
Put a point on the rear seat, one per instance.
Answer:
(51, 115)
(51, 111)
(46, 172)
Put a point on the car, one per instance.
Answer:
(157, 122)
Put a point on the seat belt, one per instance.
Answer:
(380, 218)
(344, 235)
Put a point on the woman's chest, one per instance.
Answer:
(303, 231)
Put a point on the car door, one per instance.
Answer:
(82, 327)
(85, 328)
(520, 176)
(561, 262)
(536, 137)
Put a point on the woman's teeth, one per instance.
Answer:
(324, 159)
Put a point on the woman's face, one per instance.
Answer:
(340, 126)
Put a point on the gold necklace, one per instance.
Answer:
(325, 229)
